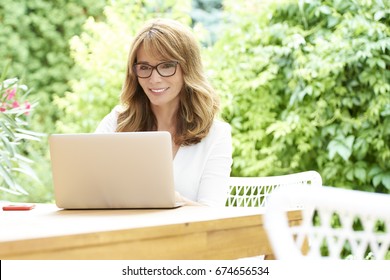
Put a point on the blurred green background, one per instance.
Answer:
(305, 84)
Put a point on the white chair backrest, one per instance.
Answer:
(337, 223)
(254, 191)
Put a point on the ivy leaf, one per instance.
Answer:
(342, 146)
(360, 173)
(349, 175)
(374, 171)
(376, 180)
(386, 180)
(360, 148)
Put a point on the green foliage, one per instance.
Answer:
(208, 13)
(15, 111)
(34, 36)
(101, 53)
(305, 85)
(356, 226)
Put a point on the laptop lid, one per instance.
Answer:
(112, 170)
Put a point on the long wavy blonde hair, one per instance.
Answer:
(169, 40)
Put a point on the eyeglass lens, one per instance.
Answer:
(165, 69)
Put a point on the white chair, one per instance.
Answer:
(337, 224)
(254, 191)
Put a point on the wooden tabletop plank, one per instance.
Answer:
(183, 233)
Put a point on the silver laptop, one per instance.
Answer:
(113, 170)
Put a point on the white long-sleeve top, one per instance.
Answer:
(201, 171)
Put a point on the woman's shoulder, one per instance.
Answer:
(110, 121)
(219, 129)
(115, 112)
(220, 126)
(113, 115)
(118, 109)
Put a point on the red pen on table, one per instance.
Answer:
(20, 207)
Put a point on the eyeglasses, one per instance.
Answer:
(164, 69)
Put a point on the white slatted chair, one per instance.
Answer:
(337, 223)
(254, 191)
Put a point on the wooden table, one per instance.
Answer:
(190, 232)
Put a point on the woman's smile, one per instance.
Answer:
(158, 90)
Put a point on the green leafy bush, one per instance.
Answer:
(306, 86)
(14, 131)
(34, 35)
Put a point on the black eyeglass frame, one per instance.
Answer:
(154, 67)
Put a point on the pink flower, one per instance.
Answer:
(3, 109)
(15, 104)
(10, 93)
(28, 107)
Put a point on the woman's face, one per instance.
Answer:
(161, 91)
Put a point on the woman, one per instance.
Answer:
(165, 89)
